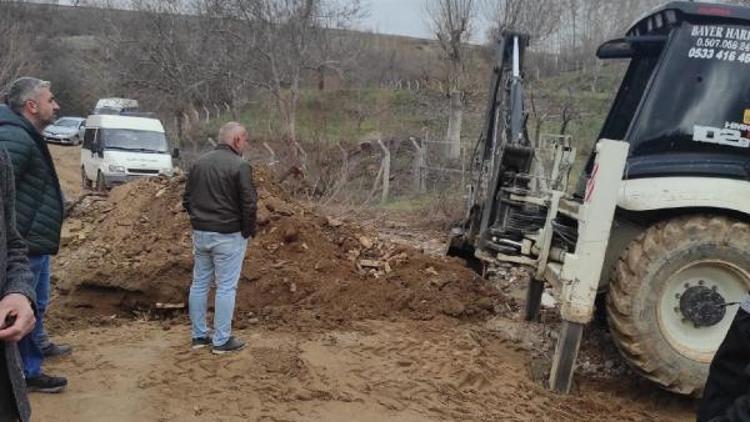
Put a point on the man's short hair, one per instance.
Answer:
(228, 131)
(21, 90)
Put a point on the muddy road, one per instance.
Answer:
(333, 333)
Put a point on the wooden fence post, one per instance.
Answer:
(463, 167)
(375, 183)
(418, 167)
(271, 153)
(425, 170)
(196, 115)
(386, 171)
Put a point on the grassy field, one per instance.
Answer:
(346, 116)
(350, 114)
(326, 118)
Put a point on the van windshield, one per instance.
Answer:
(134, 140)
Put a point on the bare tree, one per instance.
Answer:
(538, 18)
(16, 43)
(451, 21)
(282, 41)
(171, 56)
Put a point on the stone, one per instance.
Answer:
(453, 308)
(365, 242)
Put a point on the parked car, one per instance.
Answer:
(65, 130)
(118, 149)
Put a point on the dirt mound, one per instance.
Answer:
(133, 250)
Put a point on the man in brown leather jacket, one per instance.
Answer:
(16, 298)
(221, 201)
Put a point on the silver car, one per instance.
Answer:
(65, 130)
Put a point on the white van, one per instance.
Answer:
(117, 149)
(115, 105)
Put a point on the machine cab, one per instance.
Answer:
(684, 103)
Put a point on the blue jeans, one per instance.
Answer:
(30, 346)
(218, 257)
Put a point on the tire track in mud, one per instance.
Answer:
(400, 370)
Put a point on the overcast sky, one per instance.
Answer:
(402, 17)
(398, 17)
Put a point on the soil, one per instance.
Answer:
(67, 160)
(346, 318)
(133, 251)
(375, 370)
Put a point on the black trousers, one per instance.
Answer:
(728, 377)
(8, 411)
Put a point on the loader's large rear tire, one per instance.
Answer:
(664, 305)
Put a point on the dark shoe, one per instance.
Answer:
(46, 384)
(232, 345)
(199, 343)
(55, 350)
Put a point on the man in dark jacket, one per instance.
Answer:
(17, 294)
(30, 107)
(726, 396)
(221, 201)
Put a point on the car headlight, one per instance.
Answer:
(116, 169)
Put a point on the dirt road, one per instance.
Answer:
(377, 371)
(67, 164)
(320, 349)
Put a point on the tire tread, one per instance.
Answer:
(628, 277)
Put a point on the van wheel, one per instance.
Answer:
(85, 182)
(100, 186)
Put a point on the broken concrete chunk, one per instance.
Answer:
(548, 301)
(160, 305)
(387, 268)
(369, 263)
(73, 225)
(334, 222)
(365, 242)
(279, 264)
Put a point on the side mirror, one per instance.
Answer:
(176, 153)
(615, 49)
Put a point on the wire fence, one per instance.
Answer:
(376, 171)
(381, 171)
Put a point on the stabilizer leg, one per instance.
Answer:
(533, 299)
(566, 352)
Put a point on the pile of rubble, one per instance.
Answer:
(132, 250)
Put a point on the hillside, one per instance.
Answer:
(75, 45)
